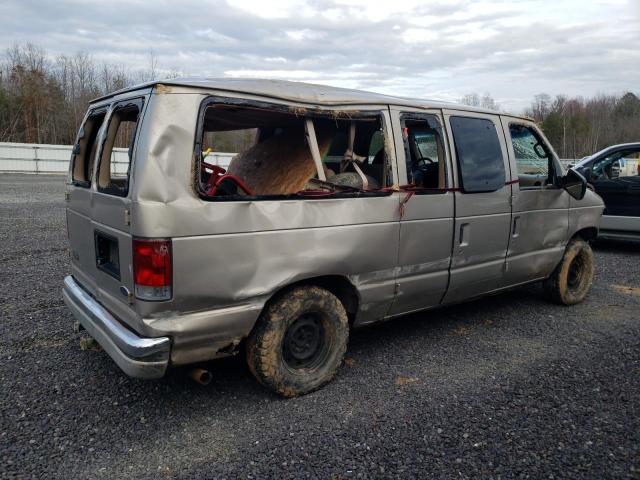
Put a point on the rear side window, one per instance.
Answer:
(117, 150)
(84, 151)
(480, 162)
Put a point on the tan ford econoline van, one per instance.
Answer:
(335, 208)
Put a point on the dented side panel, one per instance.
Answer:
(538, 234)
(234, 268)
(229, 257)
(539, 223)
(164, 163)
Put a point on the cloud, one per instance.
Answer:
(406, 47)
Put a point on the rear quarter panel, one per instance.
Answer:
(228, 253)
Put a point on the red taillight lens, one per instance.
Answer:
(152, 269)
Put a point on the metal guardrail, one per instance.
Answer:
(42, 158)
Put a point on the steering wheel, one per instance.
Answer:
(422, 163)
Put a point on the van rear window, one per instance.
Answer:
(84, 151)
(115, 162)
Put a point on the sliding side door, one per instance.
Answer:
(483, 204)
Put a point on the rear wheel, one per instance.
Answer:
(299, 341)
(572, 278)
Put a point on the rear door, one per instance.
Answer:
(80, 197)
(99, 209)
(482, 203)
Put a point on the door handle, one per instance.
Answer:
(463, 239)
(514, 231)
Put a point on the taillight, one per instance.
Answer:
(152, 269)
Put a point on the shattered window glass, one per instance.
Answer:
(84, 151)
(530, 153)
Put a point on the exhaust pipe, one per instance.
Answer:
(202, 376)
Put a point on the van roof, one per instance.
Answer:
(300, 92)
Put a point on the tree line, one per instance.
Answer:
(578, 126)
(43, 100)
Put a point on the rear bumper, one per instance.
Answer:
(137, 356)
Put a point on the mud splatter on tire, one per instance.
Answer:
(265, 345)
(572, 278)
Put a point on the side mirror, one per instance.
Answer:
(575, 184)
(540, 151)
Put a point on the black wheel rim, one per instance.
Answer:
(575, 274)
(304, 342)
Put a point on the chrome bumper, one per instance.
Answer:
(137, 356)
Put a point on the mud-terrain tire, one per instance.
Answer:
(299, 341)
(572, 278)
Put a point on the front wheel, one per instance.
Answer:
(572, 278)
(299, 341)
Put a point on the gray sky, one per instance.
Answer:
(511, 49)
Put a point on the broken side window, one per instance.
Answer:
(271, 156)
(84, 151)
(115, 162)
(533, 158)
(357, 157)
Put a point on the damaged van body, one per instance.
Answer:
(340, 208)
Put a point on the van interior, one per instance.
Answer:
(288, 153)
(424, 154)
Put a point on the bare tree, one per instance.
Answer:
(474, 100)
(540, 107)
(151, 72)
(43, 100)
(471, 99)
(488, 102)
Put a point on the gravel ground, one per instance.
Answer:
(505, 387)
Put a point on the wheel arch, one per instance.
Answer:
(338, 285)
(586, 233)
